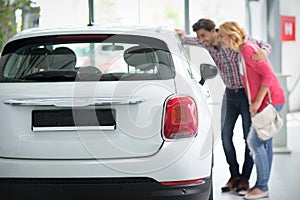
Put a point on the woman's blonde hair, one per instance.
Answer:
(235, 32)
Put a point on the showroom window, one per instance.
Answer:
(144, 12)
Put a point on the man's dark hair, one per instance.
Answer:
(205, 24)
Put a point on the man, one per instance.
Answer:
(235, 101)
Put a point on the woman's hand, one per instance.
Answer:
(254, 107)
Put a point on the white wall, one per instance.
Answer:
(291, 55)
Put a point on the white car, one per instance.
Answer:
(105, 113)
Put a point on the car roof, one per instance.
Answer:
(160, 32)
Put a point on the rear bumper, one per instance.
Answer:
(96, 188)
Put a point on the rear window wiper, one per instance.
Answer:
(53, 75)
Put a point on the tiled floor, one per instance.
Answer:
(285, 170)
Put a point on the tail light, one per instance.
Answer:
(181, 118)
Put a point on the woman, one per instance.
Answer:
(261, 78)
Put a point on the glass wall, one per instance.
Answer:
(56, 13)
(144, 12)
(218, 10)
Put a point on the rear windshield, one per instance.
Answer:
(86, 58)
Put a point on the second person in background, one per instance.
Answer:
(235, 101)
(262, 87)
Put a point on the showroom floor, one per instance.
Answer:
(285, 172)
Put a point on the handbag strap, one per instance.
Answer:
(247, 82)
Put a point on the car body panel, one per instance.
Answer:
(62, 125)
(125, 141)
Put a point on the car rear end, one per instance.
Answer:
(101, 115)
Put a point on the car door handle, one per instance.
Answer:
(74, 102)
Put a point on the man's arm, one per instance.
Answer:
(188, 39)
(263, 52)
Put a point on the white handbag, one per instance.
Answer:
(268, 122)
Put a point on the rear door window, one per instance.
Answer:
(87, 58)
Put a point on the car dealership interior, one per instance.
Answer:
(273, 21)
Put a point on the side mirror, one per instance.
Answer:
(207, 71)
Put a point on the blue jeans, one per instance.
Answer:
(235, 103)
(262, 153)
